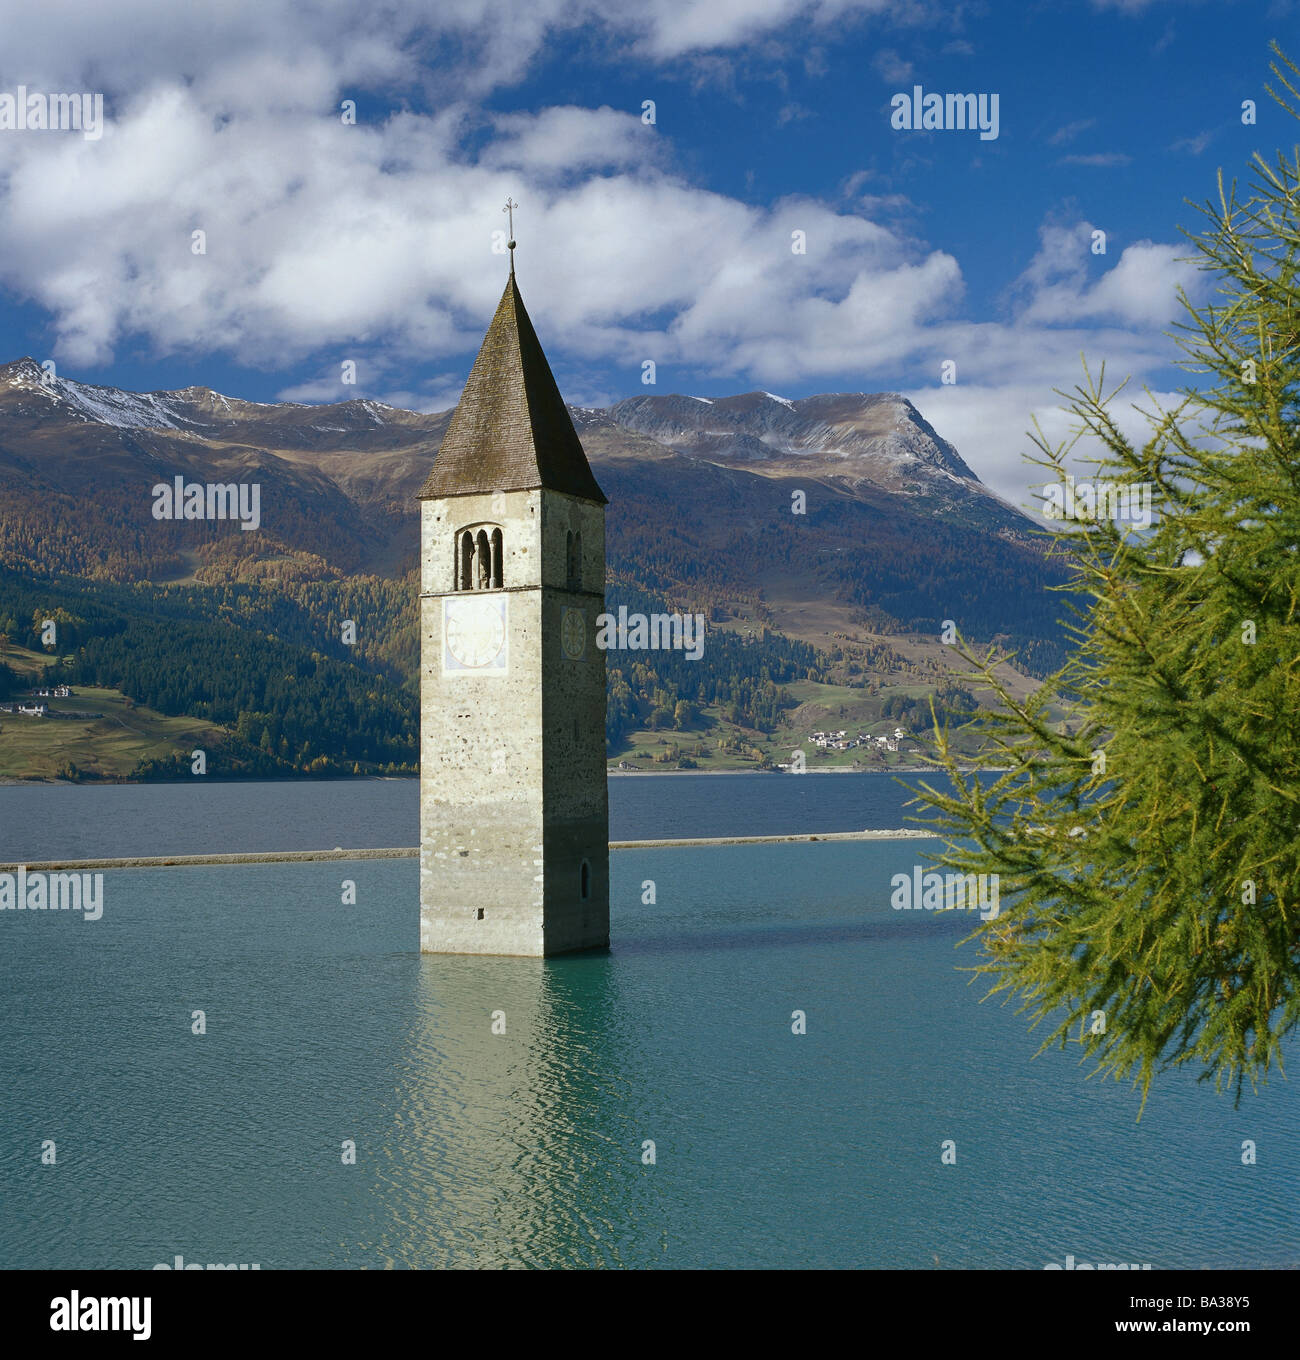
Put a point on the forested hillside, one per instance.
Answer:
(273, 671)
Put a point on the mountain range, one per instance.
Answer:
(844, 520)
(702, 495)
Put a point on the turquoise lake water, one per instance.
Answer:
(525, 1149)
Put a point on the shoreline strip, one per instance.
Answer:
(412, 852)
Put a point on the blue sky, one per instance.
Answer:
(667, 242)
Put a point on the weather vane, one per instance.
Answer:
(509, 209)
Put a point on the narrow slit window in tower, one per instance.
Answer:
(573, 560)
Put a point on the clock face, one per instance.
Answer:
(474, 634)
(573, 634)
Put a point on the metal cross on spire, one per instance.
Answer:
(509, 209)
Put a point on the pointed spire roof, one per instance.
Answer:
(512, 430)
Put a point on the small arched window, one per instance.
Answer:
(480, 558)
(465, 562)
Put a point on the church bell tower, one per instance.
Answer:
(514, 815)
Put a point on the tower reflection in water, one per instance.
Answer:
(524, 1147)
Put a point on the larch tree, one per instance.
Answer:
(1142, 808)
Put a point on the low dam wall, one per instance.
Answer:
(410, 852)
